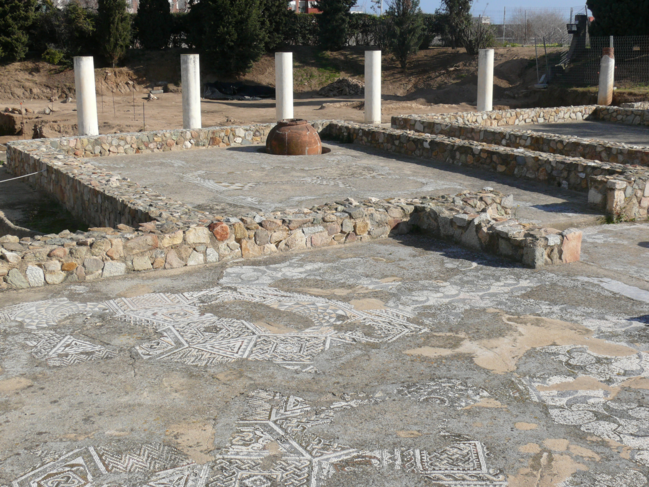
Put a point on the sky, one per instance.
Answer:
(494, 8)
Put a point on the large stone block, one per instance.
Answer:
(141, 244)
(113, 269)
(197, 235)
(35, 276)
(17, 280)
(571, 246)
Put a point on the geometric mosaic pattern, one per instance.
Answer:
(60, 351)
(41, 314)
(307, 460)
(164, 465)
(445, 392)
(192, 338)
(272, 424)
(596, 411)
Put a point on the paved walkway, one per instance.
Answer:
(403, 363)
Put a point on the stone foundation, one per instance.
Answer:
(522, 116)
(139, 230)
(567, 172)
(479, 221)
(590, 149)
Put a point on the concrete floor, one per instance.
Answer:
(610, 132)
(402, 363)
(236, 181)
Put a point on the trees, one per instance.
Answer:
(277, 19)
(475, 36)
(333, 23)
(61, 34)
(432, 29)
(546, 23)
(230, 33)
(454, 19)
(406, 27)
(619, 17)
(460, 29)
(16, 17)
(154, 23)
(113, 29)
(80, 28)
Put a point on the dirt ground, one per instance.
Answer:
(438, 80)
(127, 115)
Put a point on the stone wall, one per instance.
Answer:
(480, 221)
(607, 171)
(591, 149)
(643, 105)
(139, 230)
(567, 172)
(500, 118)
(627, 116)
(523, 116)
(64, 170)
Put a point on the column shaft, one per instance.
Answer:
(373, 87)
(485, 80)
(190, 72)
(84, 83)
(284, 85)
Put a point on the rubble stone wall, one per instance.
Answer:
(138, 230)
(567, 172)
(64, 170)
(590, 149)
(480, 221)
(523, 116)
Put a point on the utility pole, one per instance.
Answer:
(504, 17)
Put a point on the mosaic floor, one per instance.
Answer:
(237, 181)
(384, 364)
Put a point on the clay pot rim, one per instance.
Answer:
(291, 122)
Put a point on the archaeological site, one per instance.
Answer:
(358, 288)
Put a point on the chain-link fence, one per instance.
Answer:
(579, 65)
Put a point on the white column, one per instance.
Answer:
(485, 80)
(84, 84)
(373, 86)
(606, 77)
(284, 85)
(190, 73)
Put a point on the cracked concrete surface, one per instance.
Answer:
(408, 362)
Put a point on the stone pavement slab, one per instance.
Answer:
(402, 363)
(239, 180)
(605, 131)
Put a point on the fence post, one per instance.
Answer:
(606, 77)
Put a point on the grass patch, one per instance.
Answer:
(318, 71)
